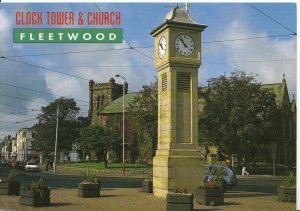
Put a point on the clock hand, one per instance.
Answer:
(182, 42)
(161, 46)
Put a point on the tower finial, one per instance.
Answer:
(283, 76)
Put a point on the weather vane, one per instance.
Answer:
(186, 6)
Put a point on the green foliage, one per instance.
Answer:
(98, 139)
(142, 116)
(289, 180)
(9, 178)
(39, 187)
(219, 172)
(237, 114)
(68, 126)
(181, 190)
(150, 175)
(90, 176)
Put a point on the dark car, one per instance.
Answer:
(229, 177)
(20, 165)
(5, 163)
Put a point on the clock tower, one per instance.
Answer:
(177, 163)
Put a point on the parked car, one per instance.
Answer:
(229, 177)
(5, 163)
(31, 166)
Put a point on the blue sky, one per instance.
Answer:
(269, 58)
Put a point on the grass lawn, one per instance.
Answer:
(267, 169)
(110, 166)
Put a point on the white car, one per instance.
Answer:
(31, 166)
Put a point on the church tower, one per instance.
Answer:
(101, 94)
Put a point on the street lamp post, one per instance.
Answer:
(1, 142)
(26, 139)
(24, 145)
(118, 75)
(56, 133)
(5, 147)
(0, 149)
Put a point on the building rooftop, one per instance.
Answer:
(116, 106)
(278, 89)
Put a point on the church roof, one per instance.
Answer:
(279, 91)
(116, 106)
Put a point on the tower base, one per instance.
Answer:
(181, 170)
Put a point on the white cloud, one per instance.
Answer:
(263, 51)
(5, 21)
(64, 86)
(4, 29)
(36, 104)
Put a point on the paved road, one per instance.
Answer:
(71, 181)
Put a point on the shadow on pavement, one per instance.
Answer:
(230, 203)
(104, 196)
(267, 188)
(234, 195)
(59, 204)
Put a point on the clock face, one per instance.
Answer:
(184, 44)
(162, 47)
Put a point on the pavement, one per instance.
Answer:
(133, 199)
(254, 192)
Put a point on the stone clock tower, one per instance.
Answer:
(177, 163)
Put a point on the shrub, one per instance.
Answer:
(289, 180)
(181, 190)
(90, 176)
(9, 178)
(38, 187)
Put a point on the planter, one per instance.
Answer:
(147, 186)
(89, 189)
(35, 198)
(180, 202)
(286, 194)
(209, 196)
(12, 188)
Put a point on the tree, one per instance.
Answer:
(100, 140)
(142, 116)
(44, 139)
(237, 115)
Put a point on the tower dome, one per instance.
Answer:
(179, 15)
